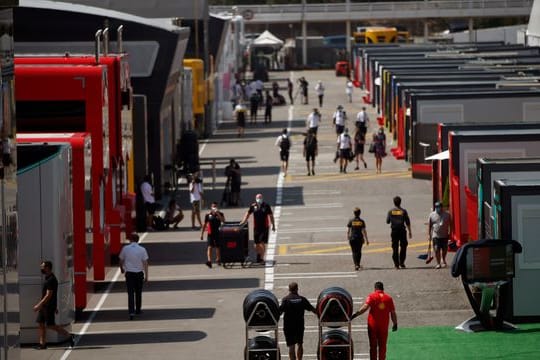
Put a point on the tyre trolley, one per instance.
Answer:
(334, 343)
(262, 347)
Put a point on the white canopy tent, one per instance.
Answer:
(267, 39)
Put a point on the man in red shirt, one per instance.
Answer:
(381, 307)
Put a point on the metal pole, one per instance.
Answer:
(348, 31)
(304, 34)
(471, 30)
(214, 174)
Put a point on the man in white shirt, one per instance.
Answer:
(339, 118)
(195, 196)
(349, 86)
(313, 121)
(319, 89)
(284, 143)
(344, 145)
(150, 205)
(134, 263)
(362, 120)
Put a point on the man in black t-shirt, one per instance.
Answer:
(212, 222)
(398, 218)
(293, 306)
(262, 218)
(47, 307)
(357, 235)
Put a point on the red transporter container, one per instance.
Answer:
(58, 98)
(120, 195)
(465, 147)
(81, 173)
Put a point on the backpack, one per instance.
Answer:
(285, 143)
(311, 142)
(158, 223)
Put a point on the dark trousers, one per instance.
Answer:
(321, 100)
(134, 283)
(399, 246)
(356, 248)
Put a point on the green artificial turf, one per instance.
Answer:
(438, 343)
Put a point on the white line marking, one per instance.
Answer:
(272, 241)
(314, 277)
(97, 308)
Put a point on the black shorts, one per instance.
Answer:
(260, 236)
(213, 241)
(293, 336)
(150, 207)
(344, 153)
(284, 155)
(359, 149)
(440, 243)
(339, 129)
(310, 155)
(46, 316)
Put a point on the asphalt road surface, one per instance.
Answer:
(192, 312)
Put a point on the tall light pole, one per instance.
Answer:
(348, 30)
(304, 34)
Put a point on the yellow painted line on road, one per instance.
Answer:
(287, 249)
(351, 175)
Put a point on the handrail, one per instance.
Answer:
(344, 8)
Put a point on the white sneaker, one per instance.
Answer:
(438, 266)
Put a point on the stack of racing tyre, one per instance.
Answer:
(335, 308)
(261, 313)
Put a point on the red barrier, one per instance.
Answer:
(458, 234)
(472, 213)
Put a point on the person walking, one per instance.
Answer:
(362, 120)
(439, 232)
(293, 306)
(284, 143)
(254, 101)
(269, 102)
(381, 310)
(134, 263)
(150, 205)
(311, 149)
(313, 121)
(349, 86)
(240, 111)
(399, 221)
(212, 221)
(47, 307)
(344, 147)
(359, 142)
(304, 87)
(319, 89)
(290, 87)
(339, 118)
(195, 196)
(379, 148)
(262, 218)
(357, 236)
(234, 181)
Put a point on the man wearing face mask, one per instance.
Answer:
(262, 218)
(439, 231)
(212, 222)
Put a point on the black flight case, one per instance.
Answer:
(234, 239)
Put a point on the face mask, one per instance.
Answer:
(438, 210)
(214, 209)
(258, 201)
(43, 271)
